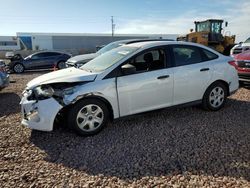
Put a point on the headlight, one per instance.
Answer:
(81, 63)
(44, 91)
(78, 65)
(246, 48)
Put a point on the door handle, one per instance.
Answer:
(163, 77)
(204, 69)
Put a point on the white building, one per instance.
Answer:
(9, 43)
(75, 43)
(78, 41)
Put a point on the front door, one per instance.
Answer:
(150, 88)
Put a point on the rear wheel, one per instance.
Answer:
(88, 117)
(61, 65)
(18, 68)
(215, 97)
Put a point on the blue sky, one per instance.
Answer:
(130, 16)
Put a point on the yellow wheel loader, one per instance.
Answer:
(209, 33)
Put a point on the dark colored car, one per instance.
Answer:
(242, 64)
(80, 60)
(39, 60)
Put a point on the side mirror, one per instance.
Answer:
(226, 24)
(128, 69)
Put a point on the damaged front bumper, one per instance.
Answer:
(39, 114)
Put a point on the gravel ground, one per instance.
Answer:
(184, 147)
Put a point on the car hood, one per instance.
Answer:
(82, 58)
(62, 76)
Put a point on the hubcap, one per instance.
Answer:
(18, 68)
(90, 117)
(216, 97)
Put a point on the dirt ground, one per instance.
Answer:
(183, 147)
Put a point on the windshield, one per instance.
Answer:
(109, 47)
(28, 57)
(247, 41)
(108, 59)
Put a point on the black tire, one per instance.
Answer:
(80, 109)
(208, 103)
(18, 68)
(61, 65)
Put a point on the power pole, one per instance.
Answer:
(112, 26)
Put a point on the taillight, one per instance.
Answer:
(234, 64)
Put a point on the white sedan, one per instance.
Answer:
(128, 80)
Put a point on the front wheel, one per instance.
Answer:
(88, 117)
(18, 68)
(215, 97)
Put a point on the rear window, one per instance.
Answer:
(186, 55)
(209, 55)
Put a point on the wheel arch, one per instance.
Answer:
(105, 101)
(97, 97)
(220, 81)
(60, 118)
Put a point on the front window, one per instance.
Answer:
(109, 47)
(38, 56)
(203, 26)
(149, 61)
(108, 59)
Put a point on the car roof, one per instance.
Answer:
(129, 41)
(47, 52)
(148, 44)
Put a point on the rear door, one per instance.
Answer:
(193, 70)
(151, 87)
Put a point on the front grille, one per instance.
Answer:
(70, 65)
(244, 76)
(243, 64)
